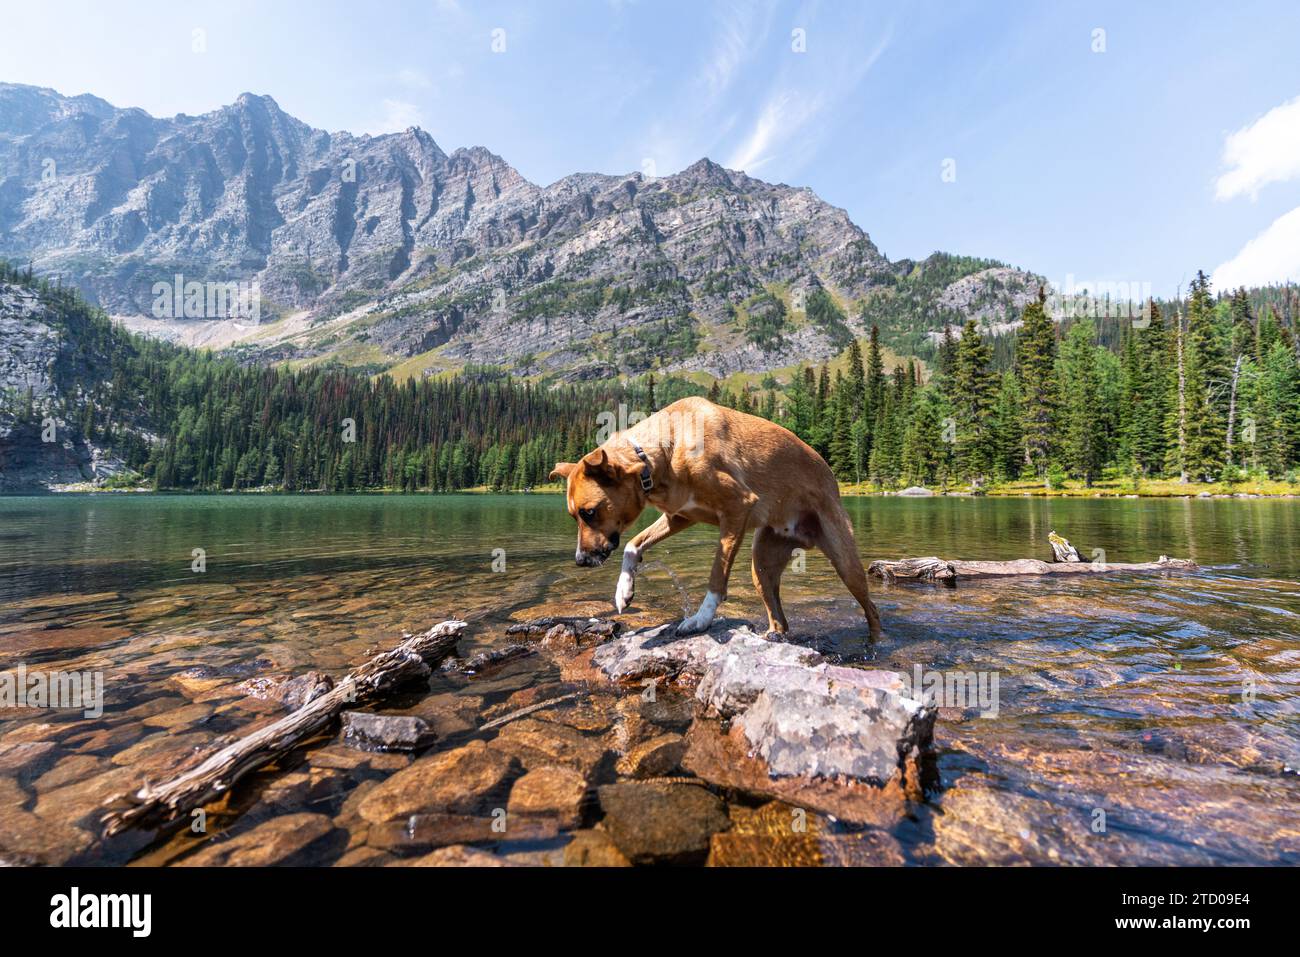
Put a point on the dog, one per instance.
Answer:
(699, 462)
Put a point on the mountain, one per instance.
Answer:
(385, 252)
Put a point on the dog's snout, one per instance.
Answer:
(594, 557)
(613, 543)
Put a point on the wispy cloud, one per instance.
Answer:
(783, 126)
(1266, 151)
(395, 116)
(1271, 257)
(740, 34)
(782, 116)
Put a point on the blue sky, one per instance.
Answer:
(1169, 143)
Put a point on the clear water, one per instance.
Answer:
(1141, 719)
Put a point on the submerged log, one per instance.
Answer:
(156, 805)
(938, 569)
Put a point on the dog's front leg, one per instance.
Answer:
(635, 550)
(733, 534)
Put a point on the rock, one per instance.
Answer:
(565, 632)
(344, 758)
(465, 780)
(723, 759)
(802, 715)
(27, 838)
(447, 714)
(364, 857)
(199, 680)
(456, 856)
(590, 714)
(378, 732)
(593, 848)
(867, 849)
(178, 718)
(553, 792)
(863, 735)
(25, 758)
(290, 692)
(916, 491)
(541, 743)
(75, 767)
(424, 831)
(662, 823)
(288, 840)
(658, 757)
(164, 755)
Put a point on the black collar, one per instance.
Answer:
(647, 483)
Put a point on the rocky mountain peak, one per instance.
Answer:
(388, 252)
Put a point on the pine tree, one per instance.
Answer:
(1008, 439)
(1080, 374)
(1036, 369)
(1206, 385)
(972, 398)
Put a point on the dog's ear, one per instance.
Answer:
(562, 470)
(599, 466)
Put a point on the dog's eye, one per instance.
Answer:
(588, 515)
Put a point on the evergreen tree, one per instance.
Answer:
(1036, 368)
(1081, 409)
(1206, 384)
(972, 398)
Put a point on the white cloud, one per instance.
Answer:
(1271, 257)
(395, 116)
(783, 115)
(738, 39)
(1266, 151)
(780, 127)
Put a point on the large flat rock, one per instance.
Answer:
(801, 714)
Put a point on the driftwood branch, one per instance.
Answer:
(155, 805)
(942, 570)
(1062, 550)
(524, 712)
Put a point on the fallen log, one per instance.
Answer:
(156, 805)
(933, 569)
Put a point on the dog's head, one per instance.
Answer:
(605, 497)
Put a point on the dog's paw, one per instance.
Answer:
(693, 626)
(624, 591)
(701, 620)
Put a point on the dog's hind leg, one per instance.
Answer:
(771, 554)
(836, 540)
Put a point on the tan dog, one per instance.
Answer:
(699, 462)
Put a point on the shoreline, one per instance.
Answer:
(1103, 490)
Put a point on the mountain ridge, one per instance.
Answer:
(388, 252)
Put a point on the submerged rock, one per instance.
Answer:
(552, 792)
(380, 732)
(801, 714)
(465, 780)
(653, 823)
(290, 839)
(291, 693)
(593, 848)
(660, 756)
